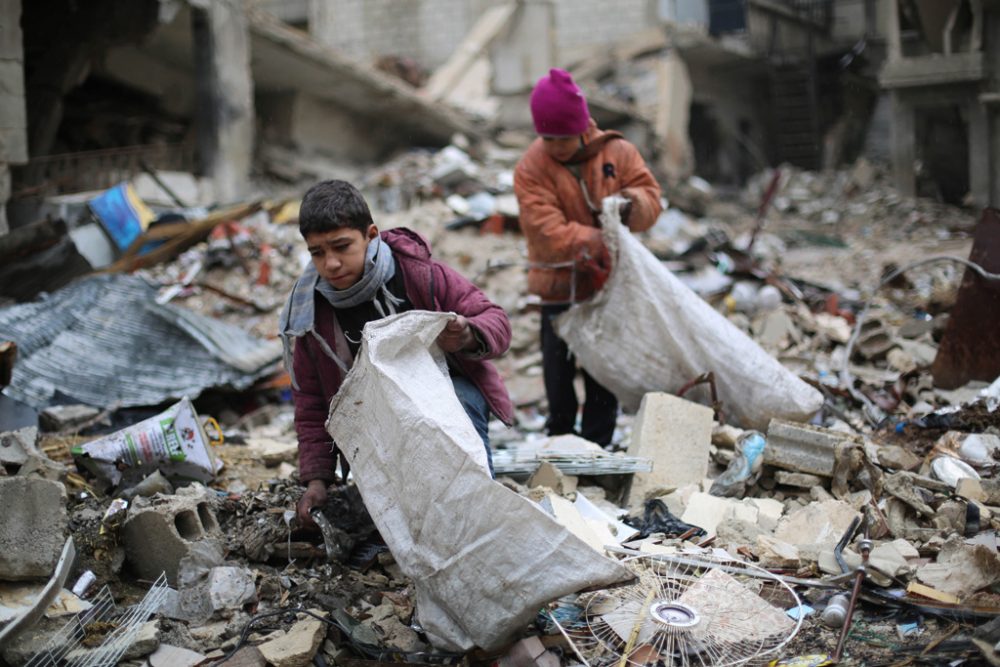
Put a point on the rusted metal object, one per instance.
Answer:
(970, 348)
(865, 547)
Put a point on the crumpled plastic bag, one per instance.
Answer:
(482, 558)
(646, 331)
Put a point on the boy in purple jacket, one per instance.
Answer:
(358, 275)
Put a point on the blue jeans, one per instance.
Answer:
(478, 410)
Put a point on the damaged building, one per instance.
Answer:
(805, 465)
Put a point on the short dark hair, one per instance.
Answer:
(332, 205)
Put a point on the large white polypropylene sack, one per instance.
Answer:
(482, 558)
(646, 331)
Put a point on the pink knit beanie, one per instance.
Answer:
(558, 107)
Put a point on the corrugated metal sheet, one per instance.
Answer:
(103, 340)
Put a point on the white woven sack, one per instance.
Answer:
(482, 558)
(647, 331)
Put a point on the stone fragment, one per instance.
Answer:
(897, 458)
(819, 494)
(798, 479)
(676, 435)
(17, 446)
(775, 553)
(147, 641)
(271, 451)
(549, 476)
(770, 512)
(970, 489)
(248, 656)
(174, 656)
(803, 448)
(296, 647)
(529, 652)
(160, 531)
(64, 417)
(961, 569)
(816, 527)
(708, 512)
(737, 533)
(33, 527)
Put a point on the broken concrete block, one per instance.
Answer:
(548, 475)
(147, 641)
(708, 512)
(897, 458)
(248, 656)
(384, 622)
(773, 552)
(64, 417)
(737, 533)
(961, 569)
(17, 446)
(769, 511)
(272, 452)
(33, 529)
(803, 448)
(676, 435)
(174, 656)
(160, 530)
(223, 589)
(970, 489)
(816, 527)
(39, 465)
(296, 647)
(798, 479)
(529, 652)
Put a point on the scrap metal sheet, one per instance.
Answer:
(104, 341)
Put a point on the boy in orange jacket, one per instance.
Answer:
(560, 183)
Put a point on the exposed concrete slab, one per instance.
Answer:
(283, 59)
(676, 435)
(33, 528)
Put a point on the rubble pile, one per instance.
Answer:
(894, 478)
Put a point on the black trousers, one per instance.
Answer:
(600, 408)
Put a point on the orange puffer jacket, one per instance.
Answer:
(554, 216)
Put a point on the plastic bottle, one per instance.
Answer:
(743, 469)
(836, 611)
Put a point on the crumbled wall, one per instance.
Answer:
(13, 120)
(429, 30)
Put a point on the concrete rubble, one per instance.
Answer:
(912, 464)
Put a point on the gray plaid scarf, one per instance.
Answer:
(298, 317)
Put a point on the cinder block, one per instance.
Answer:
(676, 435)
(803, 448)
(160, 531)
(32, 528)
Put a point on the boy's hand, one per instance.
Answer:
(457, 336)
(315, 496)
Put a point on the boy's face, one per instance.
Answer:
(561, 149)
(339, 255)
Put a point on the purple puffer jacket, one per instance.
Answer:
(430, 285)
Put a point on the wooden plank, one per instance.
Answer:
(479, 38)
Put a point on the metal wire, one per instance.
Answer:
(66, 646)
(510, 462)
